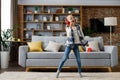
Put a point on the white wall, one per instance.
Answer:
(71, 2)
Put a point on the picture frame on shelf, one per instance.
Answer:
(44, 18)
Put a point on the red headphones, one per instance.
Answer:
(67, 22)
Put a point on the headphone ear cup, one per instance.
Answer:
(67, 22)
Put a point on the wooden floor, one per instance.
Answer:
(13, 66)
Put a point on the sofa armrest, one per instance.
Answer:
(113, 50)
(22, 55)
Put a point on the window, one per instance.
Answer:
(5, 14)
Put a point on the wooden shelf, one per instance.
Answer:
(45, 30)
(51, 13)
(27, 38)
(32, 21)
(27, 20)
(59, 30)
(52, 21)
(46, 22)
(42, 30)
(49, 30)
(27, 30)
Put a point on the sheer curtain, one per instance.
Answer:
(8, 13)
(5, 14)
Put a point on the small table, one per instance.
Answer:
(14, 47)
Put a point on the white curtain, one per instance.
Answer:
(5, 14)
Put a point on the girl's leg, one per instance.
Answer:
(77, 55)
(64, 58)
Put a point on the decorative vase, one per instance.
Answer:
(4, 59)
(35, 11)
(48, 27)
(44, 18)
(27, 35)
(48, 10)
(51, 18)
(69, 12)
(63, 10)
(56, 18)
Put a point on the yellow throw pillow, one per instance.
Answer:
(35, 46)
(80, 49)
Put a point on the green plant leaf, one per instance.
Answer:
(70, 9)
(6, 35)
(87, 31)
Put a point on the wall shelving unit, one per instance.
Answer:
(45, 20)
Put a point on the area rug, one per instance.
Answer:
(62, 76)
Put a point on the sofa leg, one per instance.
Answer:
(27, 69)
(109, 69)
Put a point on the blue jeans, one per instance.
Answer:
(66, 55)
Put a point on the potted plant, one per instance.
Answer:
(88, 32)
(70, 9)
(5, 36)
(36, 9)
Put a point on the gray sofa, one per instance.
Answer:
(103, 59)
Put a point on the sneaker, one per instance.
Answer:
(80, 75)
(57, 74)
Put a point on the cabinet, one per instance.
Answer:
(45, 20)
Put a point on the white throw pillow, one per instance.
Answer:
(94, 45)
(53, 46)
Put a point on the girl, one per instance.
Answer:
(73, 39)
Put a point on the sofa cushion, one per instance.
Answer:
(45, 40)
(53, 46)
(99, 39)
(68, 63)
(80, 48)
(35, 46)
(92, 55)
(45, 55)
(94, 45)
(58, 55)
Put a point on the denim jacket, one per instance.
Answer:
(70, 38)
